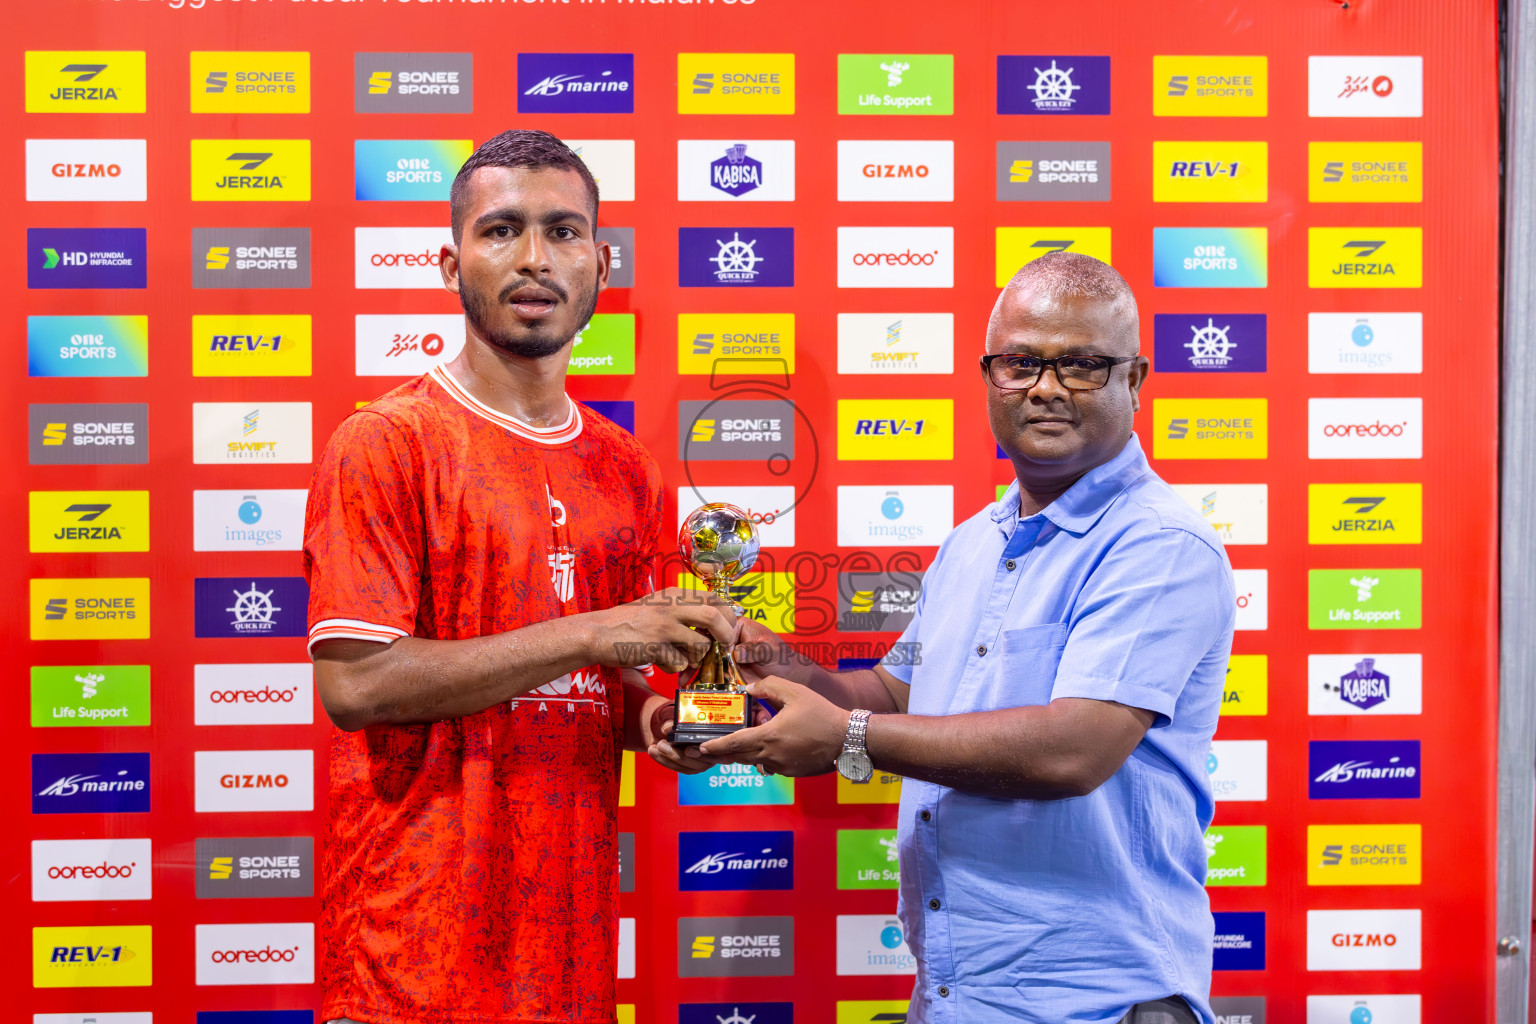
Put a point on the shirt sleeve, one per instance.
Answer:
(363, 545)
(1145, 618)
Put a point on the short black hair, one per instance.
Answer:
(517, 148)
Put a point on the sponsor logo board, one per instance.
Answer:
(1052, 84)
(735, 1013)
(913, 429)
(1364, 598)
(1246, 691)
(1365, 513)
(735, 343)
(396, 170)
(85, 82)
(605, 346)
(91, 869)
(90, 783)
(256, 954)
(1365, 428)
(406, 344)
(735, 83)
(895, 83)
(576, 83)
(886, 517)
(612, 163)
(736, 431)
(1210, 86)
(896, 171)
(1378, 1009)
(1236, 855)
(1371, 257)
(265, 694)
(626, 862)
(87, 346)
(736, 257)
(247, 432)
(723, 170)
(1238, 770)
(1210, 428)
(250, 82)
(735, 861)
(895, 343)
(245, 606)
(621, 250)
(1252, 598)
(1239, 942)
(1364, 854)
(1210, 172)
(1210, 342)
(1374, 86)
(248, 520)
(1365, 172)
(399, 257)
(413, 83)
(895, 257)
(1053, 171)
(1363, 940)
(766, 597)
(1239, 513)
(253, 780)
(872, 944)
(88, 521)
(733, 784)
(1363, 769)
(250, 258)
(267, 345)
(1365, 342)
(882, 788)
(867, 858)
(95, 695)
(94, 956)
(771, 509)
(255, 868)
(732, 947)
(1018, 246)
(1365, 684)
(1239, 1009)
(87, 257)
(1210, 257)
(877, 602)
(89, 609)
(87, 170)
(76, 434)
(250, 170)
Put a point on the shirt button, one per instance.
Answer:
(933, 904)
(981, 649)
(944, 991)
(924, 815)
(1011, 565)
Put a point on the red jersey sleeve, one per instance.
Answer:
(363, 536)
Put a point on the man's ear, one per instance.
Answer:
(1140, 370)
(604, 262)
(448, 266)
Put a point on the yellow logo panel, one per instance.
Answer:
(866, 1011)
(1365, 513)
(1247, 687)
(765, 597)
(250, 170)
(626, 1013)
(1210, 172)
(736, 343)
(1365, 257)
(1365, 172)
(258, 345)
(912, 429)
(1210, 428)
(86, 81)
(1364, 854)
(735, 83)
(627, 780)
(882, 788)
(88, 520)
(1210, 86)
(1018, 246)
(98, 956)
(89, 609)
(250, 82)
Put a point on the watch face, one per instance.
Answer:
(855, 766)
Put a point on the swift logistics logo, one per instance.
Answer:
(1246, 690)
(413, 83)
(1365, 513)
(722, 170)
(1364, 854)
(250, 258)
(1052, 84)
(899, 257)
(1210, 428)
(895, 83)
(1225, 86)
(1373, 86)
(872, 944)
(1365, 684)
(87, 170)
(85, 81)
(734, 947)
(1364, 598)
(90, 783)
(1238, 770)
(250, 607)
(895, 171)
(1364, 940)
(264, 694)
(88, 521)
(253, 780)
(732, 257)
(91, 870)
(575, 83)
(1365, 342)
(250, 170)
(1210, 172)
(733, 784)
(1018, 246)
(606, 345)
(735, 861)
(1236, 855)
(255, 868)
(1365, 172)
(1363, 769)
(1053, 171)
(1239, 942)
(895, 343)
(735, 343)
(89, 609)
(1365, 428)
(264, 345)
(878, 602)
(406, 169)
(405, 344)
(1365, 257)
(612, 163)
(94, 956)
(867, 858)
(1210, 257)
(245, 432)
(256, 954)
(1239, 513)
(905, 430)
(250, 82)
(1232, 342)
(911, 515)
(735, 83)
(87, 258)
(95, 695)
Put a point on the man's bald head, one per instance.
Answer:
(1065, 285)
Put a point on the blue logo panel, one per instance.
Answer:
(1210, 257)
(1363, 769)
(736, 1013)
(622, 413)
(87, 346)
(733, 861)
(404, 170)
(90, 783)
(736, 257)
(244, 606)
(1209, 342)
(86, 257)
(256, 1017)
(733, 784)
(1239, 942)
(576, 83)
(1052, 84)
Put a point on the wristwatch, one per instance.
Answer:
(853, 763)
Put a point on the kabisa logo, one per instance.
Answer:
(268, 345)
(736, 1013)
(67, 695)
(1365, 257)
(1201, 343)
(1365, 172)
(896, 257)
(1052, 84)
(752, 170)
(255, 868)
(91, 869)
(87, 170)
(253, 780)
(250, 170)
(404, 170)
(1018, 246)
(1358, 684)
(1364, 854)
(85, 81)
(1210, 172)
(576, 83)
(895, 343)
(1053, 171)
(89, 609)
(722, 344)
(399, 257)
(88, 521)
(413, 83)
(90, 783)
(1365, 428)
(1239, 943)
(250, 257)
(1363, 687)
(1365, 342)
(735, 83)
(1215, 428)
(1210, 257)
(735, 173)
(250, 82)
(1363, 769)
(1364, 598)
(264, 694)
(902, 83)
(247, 607)
(87, 258)
(727, 947)
(1374, 86)
(917, 429)
(735, 257)
(734, 784)
(1364, 940)
(1210, 86)
(256, 954)
(1365, 513)
(870, 602)
(96, 956)
(735, 861)
(872, 944)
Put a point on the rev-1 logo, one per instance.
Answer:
(888, 428)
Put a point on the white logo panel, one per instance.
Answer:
(626, 962)
(1252, 598)
(1365, 684)
(253, 780)
(406, 344)
(87, 170)
(612, 163)
(256, 954)
(766, 505)
(1363, 940)
(895, 171)
(1239, 769)
(91, 869)
(399, 257)
(895, 343)
(732, 171)
(248, 520)
(1239, 513)
(276, 694)
(1365, 86)
(248, 433)
(136, 1017)
(1394, 1009)
(895, 257)
(1365, 342)
(894, 517)
(1365, 428)
(872, 944)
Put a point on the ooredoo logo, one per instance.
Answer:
(1365, 428)
(895, 257)
(265, 955)
(265, 694)
(90, 869)
(1377, 429)
(256, 954)
(399, 257)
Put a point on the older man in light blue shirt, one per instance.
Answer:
(1072, 641)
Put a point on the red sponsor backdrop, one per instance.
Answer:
(1459, 216)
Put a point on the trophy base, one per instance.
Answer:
(702, 715)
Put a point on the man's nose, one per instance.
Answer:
(532, 254)
(1049, 385)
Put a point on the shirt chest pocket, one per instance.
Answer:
(1021, 673)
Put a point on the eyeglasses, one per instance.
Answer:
(1076, 372)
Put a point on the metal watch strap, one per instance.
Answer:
(858, 726)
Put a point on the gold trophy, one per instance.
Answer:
(719, 544)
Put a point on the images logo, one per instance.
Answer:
(896, 257)
(1365, 86)
(1246, 691)
(91, 869)
(575, 83)
(1239, 944)
(417, 169)
(735, 257)
(250, 257)
(1364, 854)
(1236, 855)
(895, 171)
(1053, 171)
(735, 343)
(1052, 84)
(85, 81)
(735, 861)
(1201, 343)
(1210, 172)
(250, 432)
(256, 954)
(255, 868)
(880, 602)
(1363, 769)
(267, 345)
(1365, 513)
(250, 170)
(96, 956)
(1018, 246)
(1365, 172)
(1359, 684)
(1365, 342)
(86, 258)
(88, 521)
(722, 170)
(405, 344)
(265, 694)
(735, 83)
(1376, 1009)
(733, 784)
(1210, 86)
(1210, 428)
(90, 695)
(245, 607)
(903, 83)
(86, 170)
(771, 509)
(1364, 598)
(253, 780)
(895, 343)
(413, 83)
(1238, 770)
(89, 609)
(872, 944)
(250, 82)
(1365, 428)
(917, 429)
(1365, 257)
(907, 516)
(1363, 940)
(867, 858)
(1239, 513)
(90, 783)
(1210, 257)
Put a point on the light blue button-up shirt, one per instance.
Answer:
(1056, 911)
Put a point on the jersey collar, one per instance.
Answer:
(560, 434)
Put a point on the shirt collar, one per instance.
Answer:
(1085, 501)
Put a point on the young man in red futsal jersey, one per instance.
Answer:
(478, 551)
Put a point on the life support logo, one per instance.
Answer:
(256, 954)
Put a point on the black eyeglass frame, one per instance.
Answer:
(1112, 361)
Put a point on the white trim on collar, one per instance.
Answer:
(562, 433)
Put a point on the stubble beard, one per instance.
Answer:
(537, 341)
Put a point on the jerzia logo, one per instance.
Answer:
(79, 81)
(250, 169)
(1365, 257)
